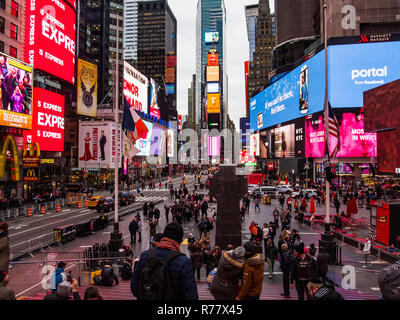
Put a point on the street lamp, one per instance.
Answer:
(72, 148)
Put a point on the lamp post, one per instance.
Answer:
(72, 148)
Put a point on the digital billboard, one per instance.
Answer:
(299, 93)
(86, 89)
(171, 143)
(213, 59)
(213, 103)
(170, 75)
(211, 37)
(355, 68)
(255, 145)
(170, 88)
(353, 140)
(47, 121)
(16, 93)
(213, 146)
(154, 108)
(170, 61)
(212, 74)
(283, 139)
(98, 144)
(157, 147)
(144, 144)
(135, 88)
(213, 87)
(50, 37)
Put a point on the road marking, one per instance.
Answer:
(86, 246)
(276, 272)
(375, 289)
(66, 210)
(87, 210)
(309, 233)
(375, 262)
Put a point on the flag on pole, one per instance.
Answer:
(132, 122)
(334, 130)
(130, 150)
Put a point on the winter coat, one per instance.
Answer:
(271, 252)
(57, 277)
(285, 260)
(133, 227)
(296, 273)
(180, 269)
(225, 284)
(55, 296)
(196, 255)
(5, 293)
(108, 276)
(323, 262)
(253, 276)
(205, 240)
(213, 260)
(4, 251)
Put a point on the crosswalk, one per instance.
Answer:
(151, 198)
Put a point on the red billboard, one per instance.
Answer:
(170, 61)
(213, 59)
(50, 37)
(47, 121)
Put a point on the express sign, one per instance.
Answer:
(50, 40)
(48, 120)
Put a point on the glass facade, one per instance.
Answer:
(251, 13)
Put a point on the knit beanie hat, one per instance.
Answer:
(238, 253)
(174, 231)
(64, 289)
(250, 246)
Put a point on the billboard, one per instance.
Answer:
(98, 143)
(211, 37)
(170, 61)
(213, 87)
(50, 37)
(284, 141)
(144, 144)
(171, 143)
(135, 88)
(170, 75)
(255, 145)
(212, 74)
(213, 59)
(47, 121)
(355, 68)
(213, 146)
(213, 103)
(157, 147)
(154, 108)
(170, 88)
(16, 93)
(298, 93)
(352, 142)
(86, 89)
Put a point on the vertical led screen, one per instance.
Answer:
(157, 147)
(135, 88)
(255, 145)
(50, 37)
(144, 144)
(284, 141)
(154, 108)
(213, 146)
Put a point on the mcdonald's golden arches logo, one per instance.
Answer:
(15, 172)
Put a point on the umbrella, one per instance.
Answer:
(312, 206)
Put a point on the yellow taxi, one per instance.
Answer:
(93, 202)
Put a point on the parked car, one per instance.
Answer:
(310, 192)
(92, 203)
(105, 205)
(269, 191)
(284, 189)
(126, 198)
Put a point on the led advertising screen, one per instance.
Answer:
(135, 88)
(86, 89)
(98, 144)
(170, 88)
(213, 59)
(255, 145)
(212, 74)
(144, 144)
(47, 120)
(352, 142)
(170, 75)
(213, 146)
(50, 37)
(16, 93)
(299, 93)
(170, 61)
(284, 140)
(213, 87)
(355, 68)
(157, 147)
(211, 37)
(213, 103)
(154, 108)
(171, 143)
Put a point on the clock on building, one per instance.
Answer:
(264, 15)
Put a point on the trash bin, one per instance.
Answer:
(65, 234)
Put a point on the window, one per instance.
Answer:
(13, 52)
(14, 8)
(1, 46)
(2, 22)
(3, 4)
(14, 31)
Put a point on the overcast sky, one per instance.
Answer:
(237, 52)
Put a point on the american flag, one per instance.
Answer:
(334, 130)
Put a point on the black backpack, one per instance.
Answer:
(304, 269)
(154, 280)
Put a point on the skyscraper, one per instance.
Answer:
(210, 35)
(192, 104)
(130, 30)
(251, 13)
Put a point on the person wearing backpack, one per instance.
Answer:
(303, 269)
(285, 260)
(164, 273)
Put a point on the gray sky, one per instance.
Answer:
(237, 52)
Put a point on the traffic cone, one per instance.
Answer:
(43, 209)
(86, 203)
(58, 208)
(79, 204)
(29, 212)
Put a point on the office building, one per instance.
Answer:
(130, 30)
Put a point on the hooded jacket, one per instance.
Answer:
(225, 284)
(4, 251)
(57, 277)
(253, 276)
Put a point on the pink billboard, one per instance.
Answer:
(213, 146)
(352, 140)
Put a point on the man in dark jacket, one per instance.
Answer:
(204, 207)
(64, 291)
(180, 269)
(285, 260)
(133, 228)
(323, 260)
(319, 290)
(108, 276)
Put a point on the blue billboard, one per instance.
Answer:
(355, 68)
(299, 93)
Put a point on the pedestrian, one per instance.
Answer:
(205, 240)
(58, 276)
(196, 256)
(337, 204)
(212, 259)
(366, 252)
(4, 247)
(282, 200)
(319, 290)
(303, 269)
(145, 210)
(139, 229)
(289, 203)
(92, 293)
(108, 277)
(312, 250)
(323, 261)
(157, 214)
(225, 284)
(180, 269)
(5, 293)
(153, 228)
(271, 254)
(257, 204)
(64, 291)
(133, 228)
(276, 217)
(253, 274)
(191, 239)
(285, 261)
(266, 237)
(166, 208)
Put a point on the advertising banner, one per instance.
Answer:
(144, 144)
(47, 120)
(154, 108)
(170, 88)
(98, 143)
(180, 123)
(16, 93)
(213, 103)
(355, 68)
(50, 37)
(213, 146)
(86, 89)
(170, 75)
(135, 88)
(213, 87)
(352, 142)
(255, 145)
(157, 147)
(284, 139)
(171, 144)
(211, 37)
(170, 61)
(212, 74)
(213, 59)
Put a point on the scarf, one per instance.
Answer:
(167, 243)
